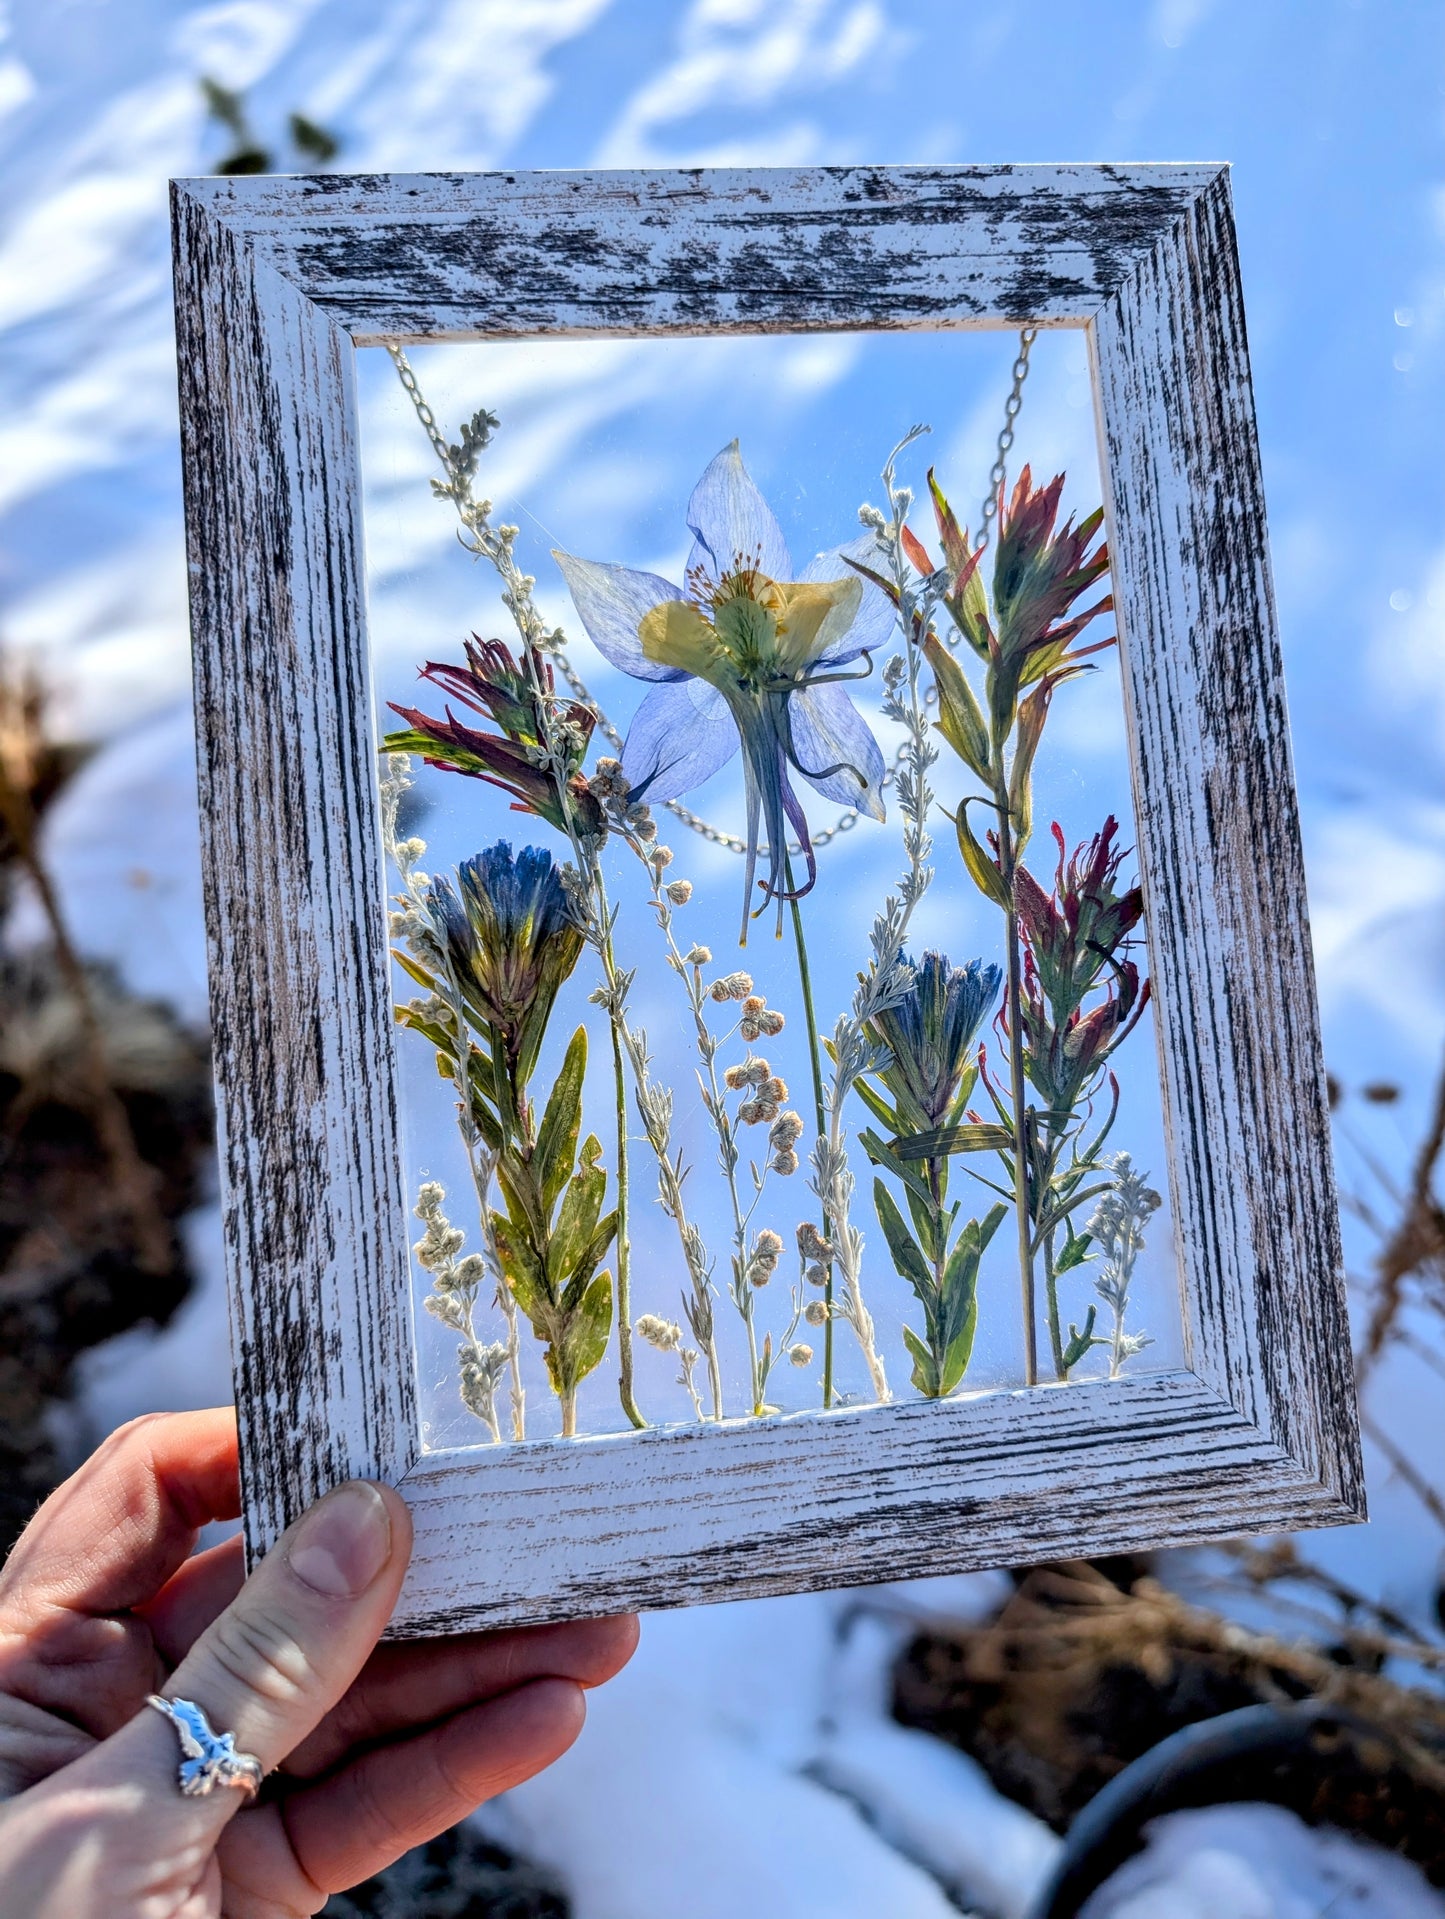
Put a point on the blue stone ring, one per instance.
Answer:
(210, 1758)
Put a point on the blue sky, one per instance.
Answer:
(1330, 112)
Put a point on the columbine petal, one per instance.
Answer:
(875, 621)
(676, 635)
(728, 516)
(815, 614)
(833, 749)
(612, 601)
(679, 737)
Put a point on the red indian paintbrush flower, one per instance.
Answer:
(1075, 941)
(516, 695)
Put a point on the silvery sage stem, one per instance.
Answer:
(888, 976)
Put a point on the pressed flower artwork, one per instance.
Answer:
(773, 996)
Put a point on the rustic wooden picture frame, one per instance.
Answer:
(278, 281)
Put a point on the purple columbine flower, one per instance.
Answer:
(744, 655)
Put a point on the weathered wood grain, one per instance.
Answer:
(316, 1249)
(1220, 847)
(730, 250)
(806, 1501)
(276, 281)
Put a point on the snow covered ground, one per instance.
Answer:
(745, 1764)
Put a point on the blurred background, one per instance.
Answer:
(913, 1750)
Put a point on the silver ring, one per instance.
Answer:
(210, 1758)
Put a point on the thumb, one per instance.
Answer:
(274, 1663)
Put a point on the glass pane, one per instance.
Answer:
(764, 688)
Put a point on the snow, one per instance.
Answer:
(1260, 1862)
(745, 1764)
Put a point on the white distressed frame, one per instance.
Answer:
(278, 281)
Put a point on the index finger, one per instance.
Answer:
(113, 1534)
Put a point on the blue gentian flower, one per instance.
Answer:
(930, 1034)
(511, 942)
(746, 655)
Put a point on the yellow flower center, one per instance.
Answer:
(746, 632)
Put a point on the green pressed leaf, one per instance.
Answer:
(522, 1271)
(1004, 676)
(1073, 1252)
(886, 1157)
(590, 1258)
(414, 970)
(588, 1330)
(981, 869)
(885, 1114)
(1080, 1342)
(951, 535)
(960, 717)
(577, 1219)
(928, 1223)
(519, 1190)
(978, 1136)
(959, 1350)
(561, 1123)
(960, 1289)
(1032, 713)
(925, 1367)
(907, 1257)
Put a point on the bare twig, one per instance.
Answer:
(137, 1183)
(1418, 1241)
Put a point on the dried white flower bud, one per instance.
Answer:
(785, 1163)
(661, 856)
(664, 1334)
(699, 956)
(811, 1243)
(731, 986)
(680, 892)
(800, 1355)
(816, 1312)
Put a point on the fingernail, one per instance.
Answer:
(342, 1543)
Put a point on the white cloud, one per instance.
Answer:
(736, 56)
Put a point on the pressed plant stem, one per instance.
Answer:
(624, 1244)
(1017, 1092)
(805, 983)
(669, 1181)
(1051, 1288)
(742, 1293)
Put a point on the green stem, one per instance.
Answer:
(1051, 1287)
(805, 982)
(624, 1244)
(1018, 1094)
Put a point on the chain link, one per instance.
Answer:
(715, 835)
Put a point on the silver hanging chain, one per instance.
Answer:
(715, 835)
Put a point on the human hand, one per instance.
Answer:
(102, 1603)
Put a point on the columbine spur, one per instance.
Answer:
(744, 655)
